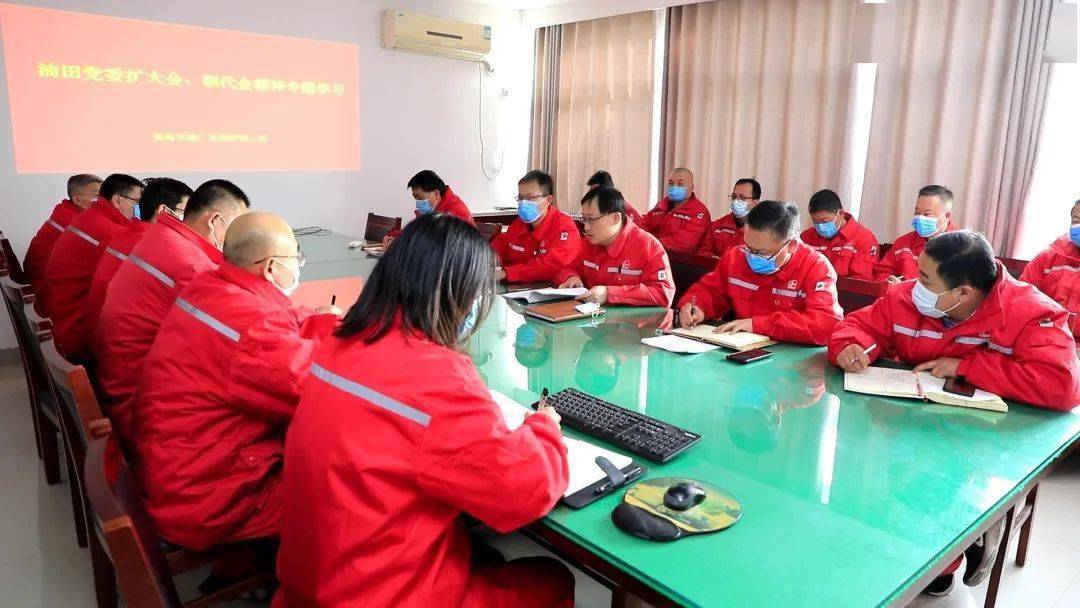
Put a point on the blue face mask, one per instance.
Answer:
(528, 211)
(1074, 234)
(827, 229)
(135, 211)
(740, 208)
(677, 194)
(469, 321)
(925, 225)
(761, 264)
(424, 206)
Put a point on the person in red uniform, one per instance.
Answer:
(933, 215)
(967, 317)
(680, 220)
(146, 285)
(619, 263)
(850, 246)
(162, 195)
(74, 258)
(603, 179)
(727, 232)
(542, 241)
(432, 195)
(218, 389)
(82, 189)
(773, 285)
(1056, 271)
(383, 460)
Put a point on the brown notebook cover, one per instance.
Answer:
(558, 311)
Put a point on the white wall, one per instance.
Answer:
(416, 112)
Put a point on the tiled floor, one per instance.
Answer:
(41, 566)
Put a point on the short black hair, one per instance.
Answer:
(964, 257)
(547, 185)
(601, 179)
(80, 180)
(755, 187)
(430, 277)
(161, 191)
(943, 193)
(118, 183)
(608, 200)
(825, 200)
(777, 217)
(215, 194)
(428, 181)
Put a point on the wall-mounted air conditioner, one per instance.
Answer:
(405, 31)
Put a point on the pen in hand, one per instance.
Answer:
(543, 399)
(865, 352)
(333, 299)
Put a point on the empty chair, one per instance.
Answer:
(9, 262)
(489, 230)
(378, 226)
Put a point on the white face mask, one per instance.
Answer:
(220, 244)
(926, 301)
(286, 291)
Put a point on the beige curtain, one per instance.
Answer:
(759, 89)
(601, 76)
(959, 99)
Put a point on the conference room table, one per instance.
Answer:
(847, 499)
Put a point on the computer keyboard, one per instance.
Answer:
(647, 437)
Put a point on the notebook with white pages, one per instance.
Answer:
(546, 294)
(679, 344)
(740, 341)
(581, 455)
(906, 384)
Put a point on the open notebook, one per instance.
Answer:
(741, 341)
(582, 456)
(545, 294)
(907, 384)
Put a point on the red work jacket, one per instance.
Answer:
(902, 260)
(633, 213)
(853, 251)
(70, 270)
(1017, 344)
(139, 297)
(1056, 272)
(218, 389)
(42, 244)
(795, 304)
(379, 469)
(109, 262)
(681, 228)
(452, 204)
(635, 269)
(724, 234)
(538, 254)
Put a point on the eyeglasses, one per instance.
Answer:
(746, 249)
(589, 221)
(529, 197)
(301, 259)
(735, 197)
(134, 201)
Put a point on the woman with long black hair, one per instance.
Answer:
(396, 437)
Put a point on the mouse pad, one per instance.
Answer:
(718, 511)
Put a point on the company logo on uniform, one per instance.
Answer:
(564, 236)
(662, 275)
(792, 284)
(626, 264)
(700, 215)
(821, 286)
(873, 250)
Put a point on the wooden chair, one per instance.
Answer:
(854, 294)
(1014, 266)
(16, 295)
(120, 518)
(489, 230)
(687, 269)
(378, 226)
(9, 262)
(884, 248)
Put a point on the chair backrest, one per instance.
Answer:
(1014, 266)
(9, 262)
(379, 225)
(489, 230)
(75, 397)
(119, 515)
(854, 294)
(35, 328)
(687, 269)
(883, 248)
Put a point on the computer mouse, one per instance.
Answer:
(682, 496)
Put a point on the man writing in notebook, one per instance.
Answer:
(680, 220)
(966, 317)
(774, 284)
(933, 215)
(542, 240)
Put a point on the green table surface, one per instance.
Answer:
(847, 499)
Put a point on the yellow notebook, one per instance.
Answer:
(741, 341)
(906, 384)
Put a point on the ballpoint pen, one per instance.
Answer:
(865, 352)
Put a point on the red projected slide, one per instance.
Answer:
(93, 93)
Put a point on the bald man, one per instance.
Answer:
(680, 220)
(219, 387)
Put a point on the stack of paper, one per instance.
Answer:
(546, 294)
(581, 455)
(677, 344)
